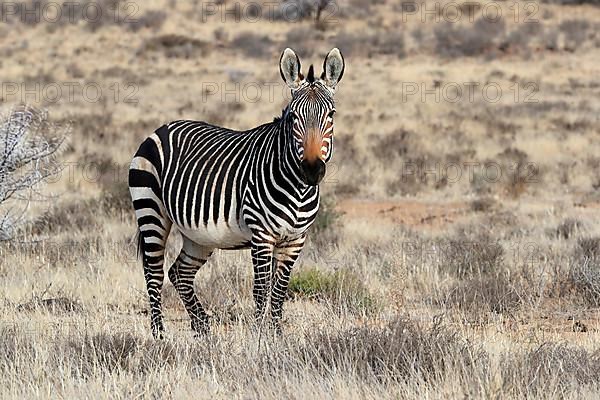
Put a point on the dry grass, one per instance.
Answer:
(480, 286)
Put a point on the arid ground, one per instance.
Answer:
(457, 253)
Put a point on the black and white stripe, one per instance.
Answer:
(230, 189)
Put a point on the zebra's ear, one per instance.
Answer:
(333, 68)
(289, 67)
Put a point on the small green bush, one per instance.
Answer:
(343, 289)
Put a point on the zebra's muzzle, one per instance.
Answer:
(312, 171)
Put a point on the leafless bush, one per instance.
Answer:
(368, 45)
(59, 303)
(82, 215)
(71, 215)
(13, 346)
(483, 204)
(573, 2)
(465, 257)
(584, 274)
(93, 15)
(352, 44)
(223, 114)
(105, 351)
(295, 10)
(483, 37)
(97, 127)
(252, 44)
(497, 293)
(401, 350)
(298, 10)
(391, 43)
(553, 370)
(517, 41)
(175, 46)
(514, 174)
(225, 291)
(328, 224)
(303, 39)
(28, 148)
(568, 228)
(152, 19)
(575, 32)
(398, 144)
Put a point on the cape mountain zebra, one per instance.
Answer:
(230, 189)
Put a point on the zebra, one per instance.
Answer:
(226, 189)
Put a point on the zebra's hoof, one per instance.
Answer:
(158, 334)
(158, 331)
(200, 328)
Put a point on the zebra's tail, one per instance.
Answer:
(140, 245)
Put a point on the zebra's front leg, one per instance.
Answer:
(182, 275)
(262, 259)
(286, 256)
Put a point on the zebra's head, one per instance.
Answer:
(311, 110)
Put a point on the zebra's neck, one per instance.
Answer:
(286, 155)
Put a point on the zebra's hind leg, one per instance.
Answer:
(285, 258)
(182, 274)
(152, 247)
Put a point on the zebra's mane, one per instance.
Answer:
(277, 119)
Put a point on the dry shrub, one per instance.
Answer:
(115, 197)
(304, 40)
(584, 273)
(499, 293)
(482, 37)
(509, 174)
(104, 351)
(295, 10)
(14, 346)
(223, 113)
(517, 41)
(225, 291)
(553, 370)
(347, 189)
(83, 215)
(96, 127)
(328, 223)
(399, 351)
(391, 43)
(54, 305)
(151, 19)
(575, 32)
(481, 282)
(470, 252)
(175, 46)
(589, 247)
(66, 217)
(104, 13)
(252, 44)
(567, 229)
(352, 44)
(404, 147)
(126, 75)
(483, 204)
(573, 2)
(369, 45)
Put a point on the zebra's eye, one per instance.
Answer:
(330, 115)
